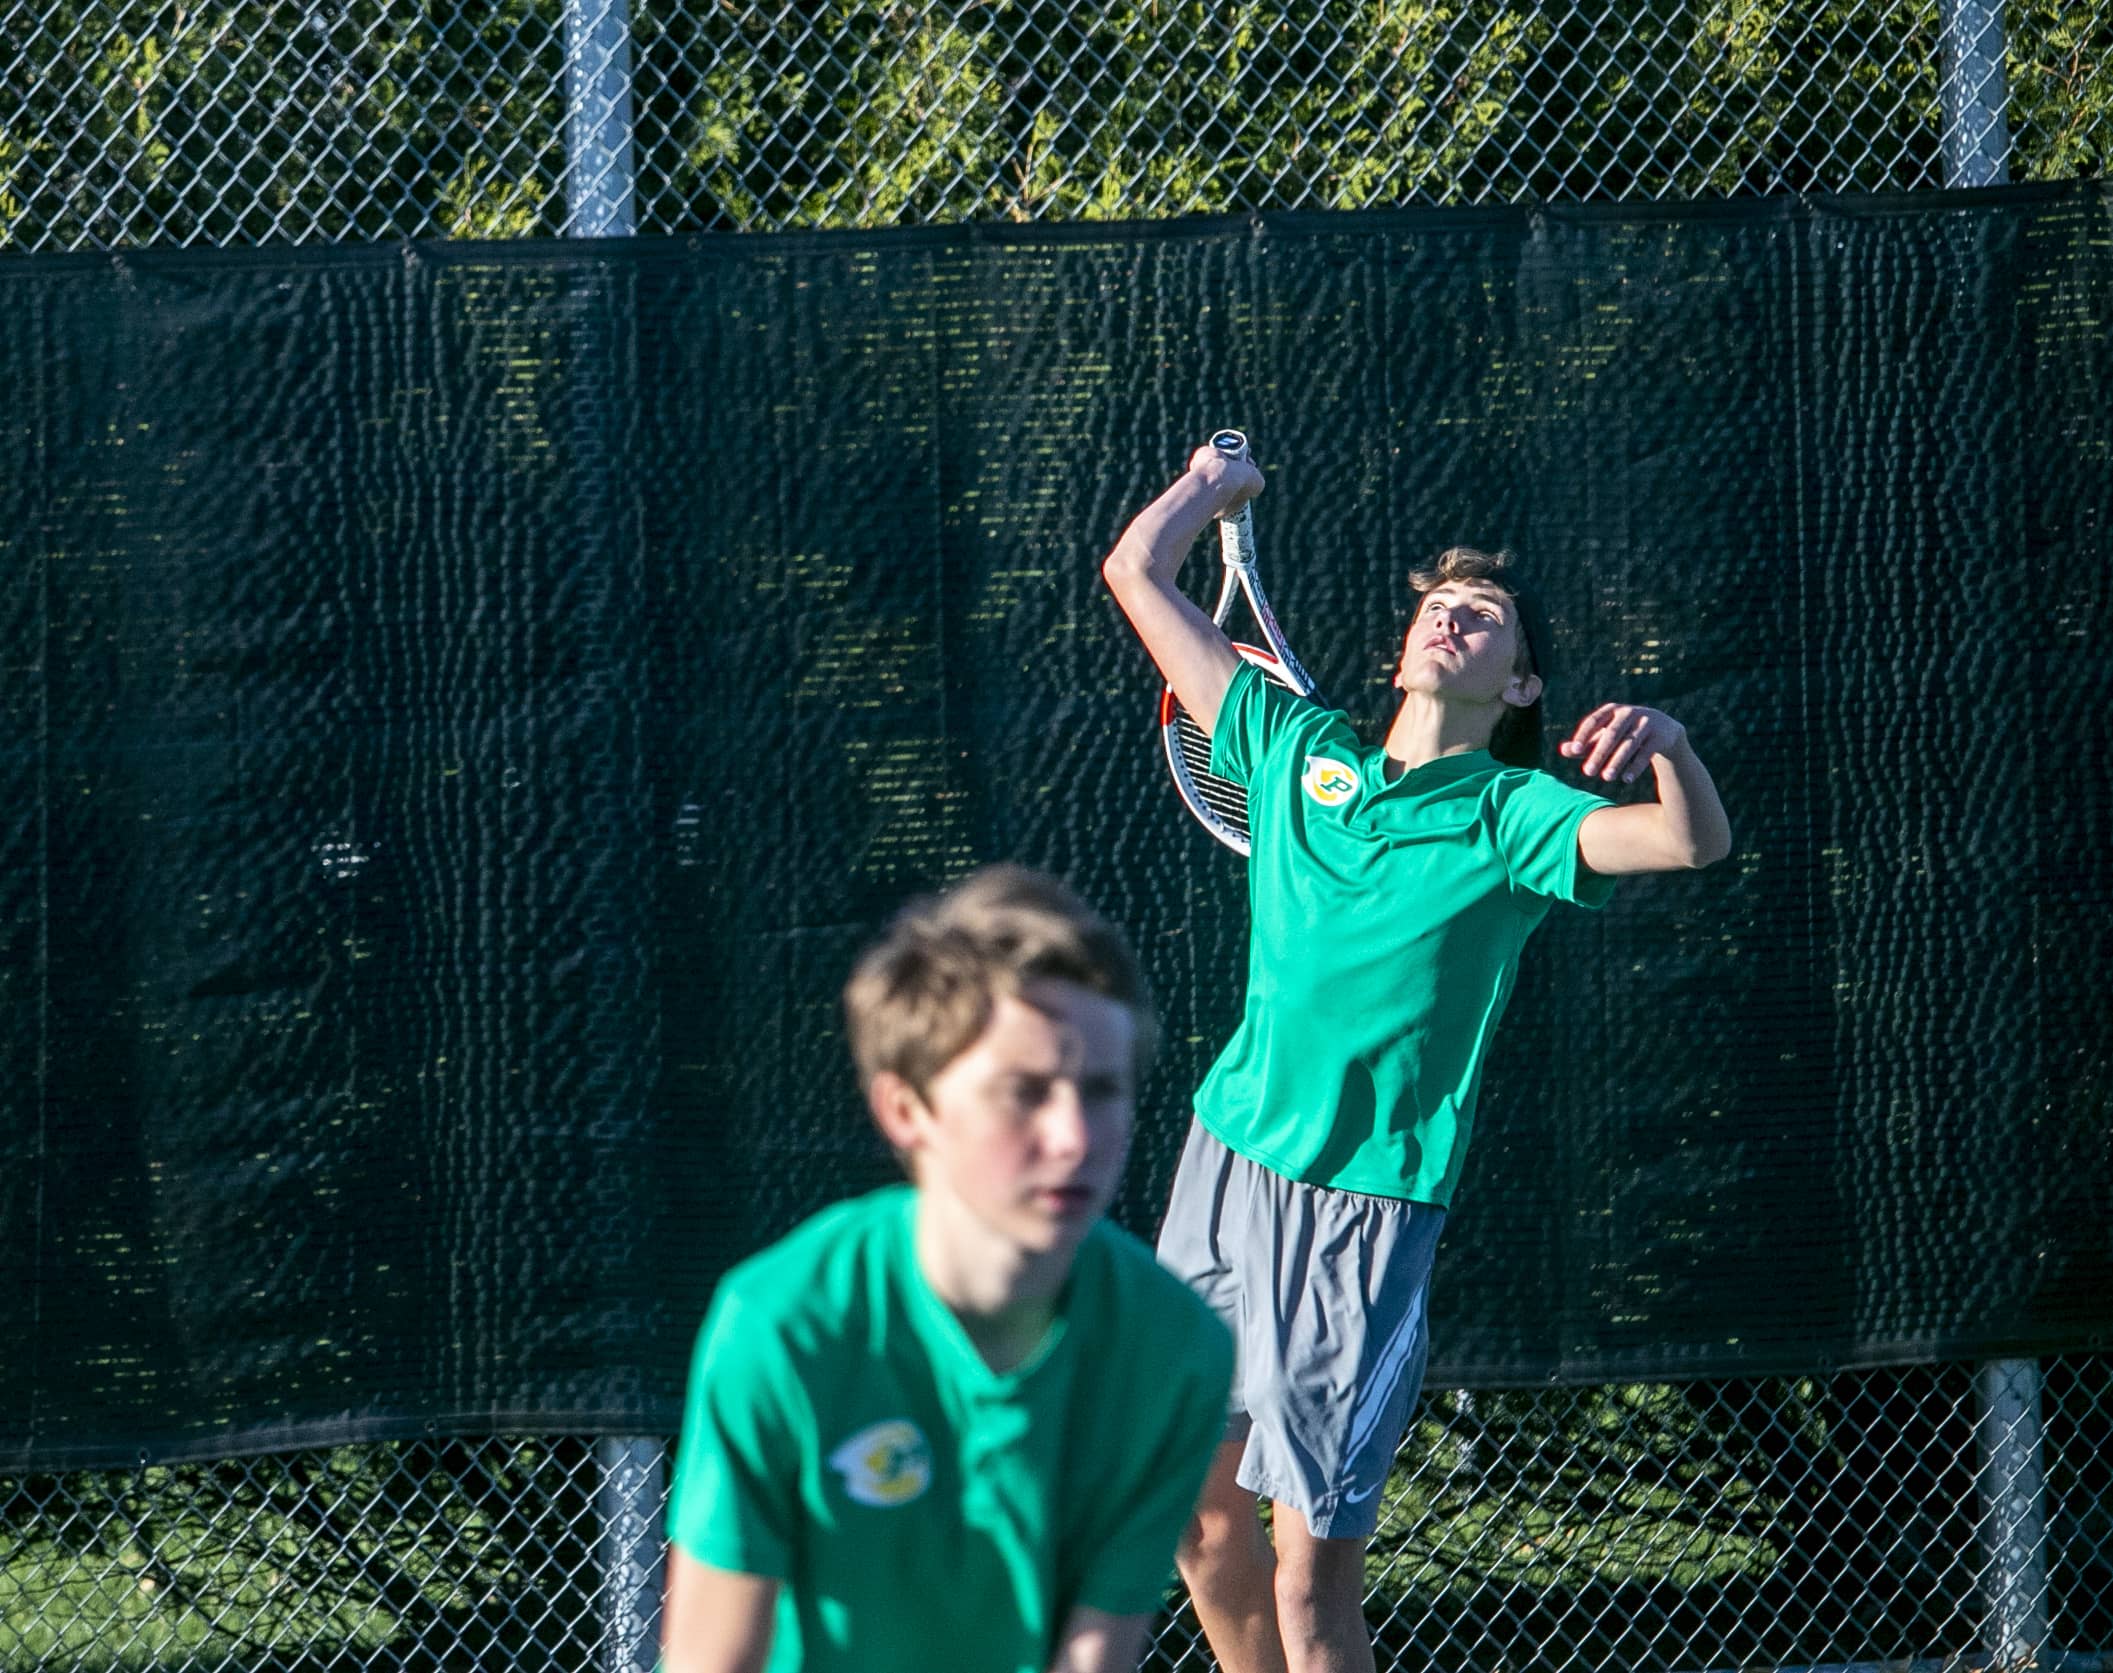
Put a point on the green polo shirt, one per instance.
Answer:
(842, 1435)
(1388, 918)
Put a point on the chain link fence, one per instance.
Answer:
(223, 122)
(1951, 1516)
(1939, 1515)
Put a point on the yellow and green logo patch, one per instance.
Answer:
(1328, 781)
(884, 1463)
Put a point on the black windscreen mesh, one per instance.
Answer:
(464, 706)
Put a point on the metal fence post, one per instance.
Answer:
(601, 176)
(2013, 1509)
(601, 201)
(1974, 94)
(630, 1484)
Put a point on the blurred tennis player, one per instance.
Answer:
(958, 1423)
(1392, 887)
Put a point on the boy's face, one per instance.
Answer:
(1027, 1130)
(1464, 642)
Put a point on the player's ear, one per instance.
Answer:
(898, 1111)
(1524, 691)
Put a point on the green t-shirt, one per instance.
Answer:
(842, 1435)
(1388, 919)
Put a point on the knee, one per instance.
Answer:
(1215, 1539)
(1225, 1559)
(1318, 1588)
(1298, 1602)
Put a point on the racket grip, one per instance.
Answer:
(1236, 531)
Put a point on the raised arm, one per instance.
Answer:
(1194, 657)
(1684, 829)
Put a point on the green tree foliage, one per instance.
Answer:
(234, 121)
(877, 113)
(2061, 88)
(231, 122)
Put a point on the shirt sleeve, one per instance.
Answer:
(1256, 716)
(735, 1496)
(1537, 820)
(1132, 1562)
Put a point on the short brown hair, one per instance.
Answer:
(1517, 739)
(923, 993)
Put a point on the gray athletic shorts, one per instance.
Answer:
(1326, 1293)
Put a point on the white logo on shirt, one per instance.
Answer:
(1328, 781)
(885, 1463)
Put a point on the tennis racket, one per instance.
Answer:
(1219, 804)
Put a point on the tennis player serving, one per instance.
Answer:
(1392, 888)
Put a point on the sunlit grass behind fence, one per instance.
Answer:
(1783, 1521)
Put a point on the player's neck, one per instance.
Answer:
(1427, 726)
(1004, 1296)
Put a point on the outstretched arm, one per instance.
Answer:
(1684, 829)
(1194, 657)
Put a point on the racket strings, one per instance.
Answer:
(1225, 799)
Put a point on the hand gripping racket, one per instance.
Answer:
(1219, 804)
